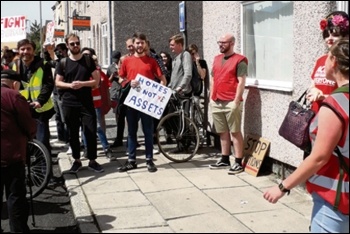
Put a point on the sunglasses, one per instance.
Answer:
(77, 43)
(222, 42)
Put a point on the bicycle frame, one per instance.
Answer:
(182, 142)
(179, 106)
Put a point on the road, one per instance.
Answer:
(52, 210)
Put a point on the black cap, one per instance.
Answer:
(62, 46)
(10, 74)
(116, 56)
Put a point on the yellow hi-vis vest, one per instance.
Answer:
(33, 88)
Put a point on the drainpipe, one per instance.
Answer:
(110, 30)
(67, 15)
(41, 32)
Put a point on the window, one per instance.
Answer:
(89, 42)
(343, 6)
(104, 33)
(268, 44)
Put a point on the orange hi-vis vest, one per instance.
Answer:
(96, 97)
(225, 77)
(325, 181)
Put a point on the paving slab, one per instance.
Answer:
(180, 197)
(182, 202)
(245, 199)
(282, 220)
(129, 218)
(213, 222)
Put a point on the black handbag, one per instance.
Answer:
(295, 126)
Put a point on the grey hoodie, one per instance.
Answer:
(181, 74)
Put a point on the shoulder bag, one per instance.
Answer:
(295, 126)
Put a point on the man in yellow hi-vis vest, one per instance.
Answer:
(37, 85)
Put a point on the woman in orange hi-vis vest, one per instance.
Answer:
(326, 169)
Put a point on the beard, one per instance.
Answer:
(75, 51)
(140, 50)
(223, 50)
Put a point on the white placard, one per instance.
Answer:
(149, 97)
(13, 28)
(50, 30)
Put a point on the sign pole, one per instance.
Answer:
(41, 31)
(182, 21)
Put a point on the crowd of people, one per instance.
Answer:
(80, 94)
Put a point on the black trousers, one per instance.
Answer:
(13, 181)
(121, 124)
(85, 117)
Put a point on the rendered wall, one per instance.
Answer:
(264, 110)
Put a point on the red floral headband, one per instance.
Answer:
(336, 21)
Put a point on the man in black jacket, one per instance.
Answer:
(37, 85)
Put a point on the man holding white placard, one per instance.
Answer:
(132, 67)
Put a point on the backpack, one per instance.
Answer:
(196, 81)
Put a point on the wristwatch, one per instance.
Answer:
(283, 189)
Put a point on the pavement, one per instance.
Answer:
(180, 197)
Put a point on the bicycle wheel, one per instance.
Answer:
(178, 140)
(40, 167)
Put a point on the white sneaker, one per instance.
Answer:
(69, 151)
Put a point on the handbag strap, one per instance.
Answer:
(342, 167)
(341, 159)
(304, 102)
(301, 97)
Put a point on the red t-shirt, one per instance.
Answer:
(321, 82)
(144, 65)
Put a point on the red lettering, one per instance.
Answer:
(13, 22)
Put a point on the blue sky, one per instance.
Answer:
(31, 9)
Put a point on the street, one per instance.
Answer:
(52, 210)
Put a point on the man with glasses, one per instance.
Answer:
(74, 84)
(228, 81)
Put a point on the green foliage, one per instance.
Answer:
(34, 35)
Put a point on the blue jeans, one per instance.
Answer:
(62, 131)
(43, 132)
(325, 220)
(133, 116)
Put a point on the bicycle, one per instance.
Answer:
(38, 168)
(177, 134)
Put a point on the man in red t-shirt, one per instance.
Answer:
(144, 65)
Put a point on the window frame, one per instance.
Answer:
(261, 83)
(104, 44)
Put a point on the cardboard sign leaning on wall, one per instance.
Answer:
(255, 150)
